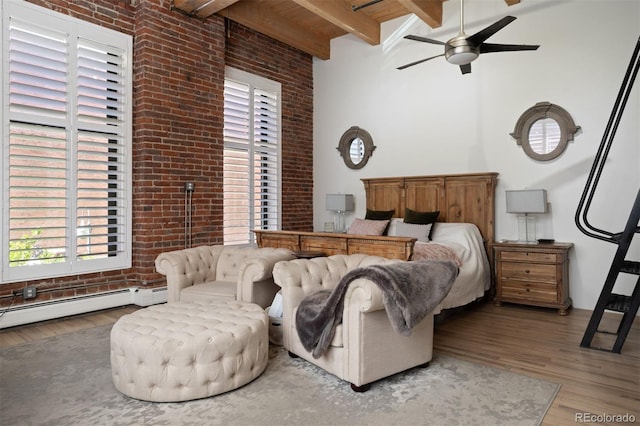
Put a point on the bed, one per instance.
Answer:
(464, 228)
(462, 244)
(463, 231)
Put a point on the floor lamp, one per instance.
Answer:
(188, 213)
(525, 202)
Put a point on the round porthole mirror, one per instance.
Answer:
(544, 131)
(355, 147)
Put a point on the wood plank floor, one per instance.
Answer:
(30, 332)
(534, 342)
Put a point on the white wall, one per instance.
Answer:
(431, 119)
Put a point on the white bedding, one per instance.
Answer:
(465, 240)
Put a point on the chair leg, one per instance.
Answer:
(360, 389)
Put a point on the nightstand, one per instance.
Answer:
(533, 274)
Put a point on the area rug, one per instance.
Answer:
(66, 380)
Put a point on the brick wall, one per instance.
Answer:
(177, 130)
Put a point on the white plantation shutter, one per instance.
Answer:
(66, 152)
(251, 156)
(544, 135)
(266, 160)
(101, 187)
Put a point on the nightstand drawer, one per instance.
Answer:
(538, 292)
(526, 256)
(528, 271)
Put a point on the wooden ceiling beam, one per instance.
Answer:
(260, 17)
(213, 7)
(340, 14)
(187, 6)
(202, 8)
(430, 11)
(265, 17)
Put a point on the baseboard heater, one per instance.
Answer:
(59, 308)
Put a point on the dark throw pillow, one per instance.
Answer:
(379, 214)
(420, 218)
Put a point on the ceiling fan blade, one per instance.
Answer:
(490, 48)
(466, 68)
(423, 39)
(484, 34)
(418, 62)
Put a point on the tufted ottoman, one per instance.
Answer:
(182, 351)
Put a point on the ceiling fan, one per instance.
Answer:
(462, 49)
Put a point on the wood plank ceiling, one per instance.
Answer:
(309, 25)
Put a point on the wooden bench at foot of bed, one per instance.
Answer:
(331, 243)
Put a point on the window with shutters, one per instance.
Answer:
(251, 156)
(66, 150)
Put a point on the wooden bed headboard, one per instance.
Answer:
(465, 198)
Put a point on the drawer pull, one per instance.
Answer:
(526, 270)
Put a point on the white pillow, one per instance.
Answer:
(392, 230)
(421, 232)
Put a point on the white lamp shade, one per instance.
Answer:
(339, 202)
(527, 201)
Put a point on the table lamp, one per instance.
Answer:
(525, 202)
(339, 203)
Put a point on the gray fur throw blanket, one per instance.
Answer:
(411, 290)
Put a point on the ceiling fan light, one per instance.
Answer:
(462, 58)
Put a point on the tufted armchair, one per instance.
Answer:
(365, 347)
(218, 271)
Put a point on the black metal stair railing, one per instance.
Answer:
(626, 304)
(603, 151)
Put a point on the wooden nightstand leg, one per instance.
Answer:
(565, 309)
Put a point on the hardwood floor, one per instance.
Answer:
(27, 333)
(531, 341)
